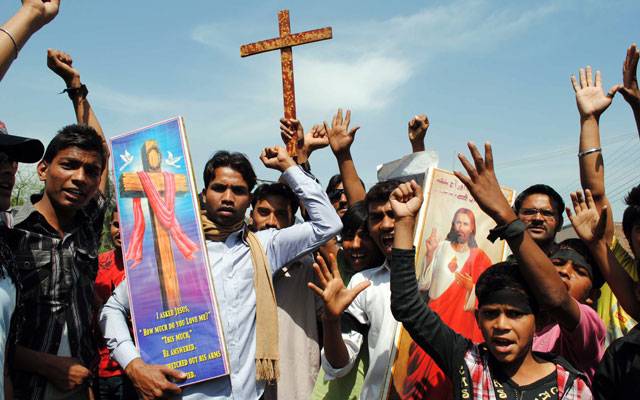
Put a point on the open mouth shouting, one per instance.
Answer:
(387, 241)
(503, 345)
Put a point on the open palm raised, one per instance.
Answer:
(589, 94)
(334, 294)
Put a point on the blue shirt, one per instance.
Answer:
(232, 273)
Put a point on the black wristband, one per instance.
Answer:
(80, 91)
(512, 229)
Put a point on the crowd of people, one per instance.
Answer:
(310, 305)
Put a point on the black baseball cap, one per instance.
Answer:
(20, 148)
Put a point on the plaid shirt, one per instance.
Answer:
(57, 277)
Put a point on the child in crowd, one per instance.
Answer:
(504, 366)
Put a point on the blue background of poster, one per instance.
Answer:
(193, 275)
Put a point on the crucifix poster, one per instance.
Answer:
(172, 301)
(452, 250)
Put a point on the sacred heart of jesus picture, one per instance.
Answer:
(172, 302)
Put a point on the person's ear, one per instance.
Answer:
(42, 169)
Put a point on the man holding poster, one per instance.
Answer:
(242, 265)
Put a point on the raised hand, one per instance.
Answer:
(277, 158)
(340, 137)
(406, 200)
(629, 87)
(483, 184)
(45, 10)
(334, 294)
(432, 242)
(417, 128)
(316, 138)
(588, 223)
(62, 64)
(293, 137)
(465, 280)
(590, 97)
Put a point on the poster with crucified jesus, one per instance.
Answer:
(452, 250)
(171, 295)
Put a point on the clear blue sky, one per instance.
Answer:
(481, 70)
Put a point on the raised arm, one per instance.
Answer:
(535, 266)
(308, 142)
(340, 140)
(290, 243)
(62, 64)
(589, 223)
(629, 85)
(592, 102)
(417, 128)
(336, 298)
(33, 15)
(443, 344)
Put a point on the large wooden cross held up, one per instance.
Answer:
(284, 43)
(132, 187)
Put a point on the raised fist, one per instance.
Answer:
(277, 158)
(62, 64)
(406, 200)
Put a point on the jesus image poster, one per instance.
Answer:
(171, 295)
(452, 250)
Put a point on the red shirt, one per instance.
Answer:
(110, 274)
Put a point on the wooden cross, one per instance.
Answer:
(285, 42)
(132, 187)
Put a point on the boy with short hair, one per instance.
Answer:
(504, 366)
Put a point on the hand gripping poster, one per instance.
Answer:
(452, 250)
(172, 301)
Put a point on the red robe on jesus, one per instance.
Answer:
(455, 305)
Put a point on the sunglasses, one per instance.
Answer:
(335, 194)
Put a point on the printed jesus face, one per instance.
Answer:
(463, 227)
(507, 331)
(227, 197)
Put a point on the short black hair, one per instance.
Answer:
(275, 189)
(76, 135)
(556, 200)
(234, 160)
(381, 191)
(631, 216)
(354, 218)
(334, 181)
(503, 275)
